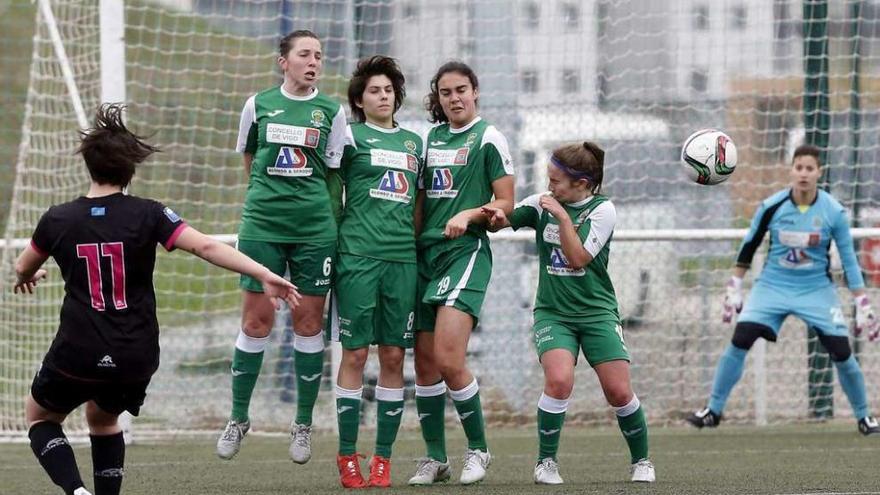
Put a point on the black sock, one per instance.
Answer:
(55, 455)
(108, 456)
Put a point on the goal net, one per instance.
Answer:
(637, 76)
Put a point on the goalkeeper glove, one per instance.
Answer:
(733, 299)
(866, 319)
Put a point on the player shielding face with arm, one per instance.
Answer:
(576, 306)
(291, 137)
(107, 345)
(801, 220)
(375, 280)
(467, 166)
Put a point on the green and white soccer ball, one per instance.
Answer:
(709, 157)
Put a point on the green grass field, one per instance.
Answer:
(773, 460)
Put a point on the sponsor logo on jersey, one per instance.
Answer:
(441, 184)
(397, 160)
(471, 139)
(817, 222)
(318, 118)
(372, 140)
(448, 158)
(796, 258)
(393, 186)
(99, 211)
(293, 135)
(174, 217)
(437, 143)
(551, 233)
(290, 162)
(795, 239)
(410, 145)
(106, 362)
(559, 265)
(274, 113)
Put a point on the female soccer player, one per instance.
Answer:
(467, 163)
(107, 345)
(375, 279)
(802, 220)
(576, 307)
(290, 136)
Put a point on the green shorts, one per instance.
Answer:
(600, 341)
(453, 273)
(310, 264)
(373, 302)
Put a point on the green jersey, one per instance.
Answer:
(380, 168)
(293, 141)
(565, 293)
(460, 166)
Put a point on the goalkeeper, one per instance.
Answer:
(802, 220)
(576, 307)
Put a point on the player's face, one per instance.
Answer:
(563, 188)
(377, 100)
(302, 65)
(805, 173)
(458, 98)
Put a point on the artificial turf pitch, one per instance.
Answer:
(798, 459)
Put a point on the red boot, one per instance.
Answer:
(350, 471)
(380, 472)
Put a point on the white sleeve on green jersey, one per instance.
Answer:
(533, 201)
(248, 117)
(421, 180)
(493, 136)
(336, 139)
(349, 138)
(602, 221)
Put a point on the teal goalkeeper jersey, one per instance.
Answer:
(565, 293)
(460, 166)
(380, 168)
(293, 140)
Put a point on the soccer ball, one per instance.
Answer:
(709, 157)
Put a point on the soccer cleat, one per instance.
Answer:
(229, 442)
(430, 471)
(380, 472)
(350, 471)
(81, 491)
(300, 443)
(704, 418)
(642, 471)
(475, 464)
(547, 472)
(869, 426)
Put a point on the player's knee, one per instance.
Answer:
(619, 395)
(837, 346)
(99, 421)
(747, 332)
(256, 325)
(391, 359)
(355, 358)
(558, 387)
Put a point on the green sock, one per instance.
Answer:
(245, 370)
(348, 416)
(309, 369)
(549, 432)
(388, 417)
(431, 411)
(470, 412)
(635, 431)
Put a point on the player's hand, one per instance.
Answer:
(457, 225)
(866, 320)
(553, 207)
(733, 299)
(278, 288)
(495, 217)
(28, 285)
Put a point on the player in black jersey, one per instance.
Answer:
(107, 345)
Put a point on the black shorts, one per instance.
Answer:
(62, 394)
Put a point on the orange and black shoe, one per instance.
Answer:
(380, 472)
(350, 471)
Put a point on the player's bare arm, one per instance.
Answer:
(28, 271)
